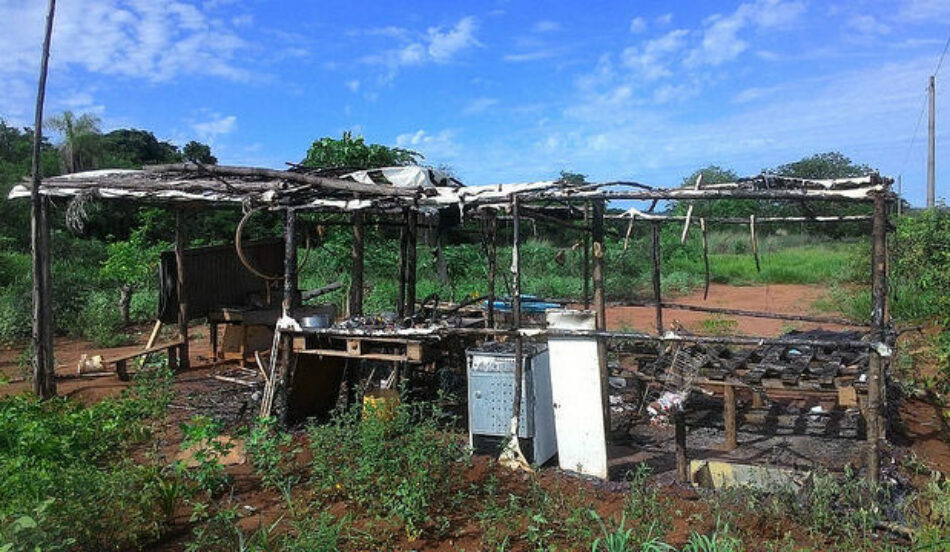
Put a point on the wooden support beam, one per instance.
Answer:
(492, 227)
(657, 291)
(729, 416)
(403, 247)
(599, 252)
(586, 274)
(598, 249)
(679, 437)
(44, 369)
(742, 312)
(356, 270)
(411, 243)
(284, 377)
(180, 240)
(876, 378)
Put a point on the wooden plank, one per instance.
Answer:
(344, 354)
(729, 415)
(148, 351)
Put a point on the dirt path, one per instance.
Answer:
(786, 299)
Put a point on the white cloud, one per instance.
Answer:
(531, 56)
(638, 25)
(721, 37)
(216, 126)
(546, 27)
(154, 41)
(653, 59)
(924, 10)
(435, 147)
(353, 85)
(664, 19)
(437, 45)
(479, 105)
(443, 45)
(867, 24)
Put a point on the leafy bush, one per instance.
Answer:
(921, 266)
(402, 467)
(67, 464)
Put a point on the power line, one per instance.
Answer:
(940, 61)
(923, 107)
(920, 117)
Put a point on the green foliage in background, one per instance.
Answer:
(355, 153)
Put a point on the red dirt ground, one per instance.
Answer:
(920, 421)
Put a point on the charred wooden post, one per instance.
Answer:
(356, 270)
(516, 305)
(44, 374)
(586, 275)
(679, 436)
(729, 417)
(180, 240)
(492, 224)
(657, 291)
(600, 303)
(598, 250)
(403, 247)
(284, 377)
(876, 382)
(412, 229)
(702, 227)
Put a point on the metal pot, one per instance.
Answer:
(315, 321)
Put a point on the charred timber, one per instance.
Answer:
(747, 313)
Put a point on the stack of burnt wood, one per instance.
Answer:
(811, 367)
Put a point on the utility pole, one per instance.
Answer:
(931, 141)
(44, 376)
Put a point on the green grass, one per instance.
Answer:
(814, 264)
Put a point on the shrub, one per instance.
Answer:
(67, 465)
(402, 467)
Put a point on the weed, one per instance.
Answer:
(272, 453)
(403, 467)
(202, 439)
(719, 325)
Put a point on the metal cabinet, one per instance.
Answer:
(491, 394)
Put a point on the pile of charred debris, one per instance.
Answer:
(802, 366)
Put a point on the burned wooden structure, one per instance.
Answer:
(368, 198)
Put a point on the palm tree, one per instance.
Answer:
(79, 139)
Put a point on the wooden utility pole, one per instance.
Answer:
(931, 141)
(44, 375)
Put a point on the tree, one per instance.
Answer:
(573, 178)
(133, 148)
(196, 151)
(822, 165)
(79, 147)
(714, 174)
(355, 153)
(130, 265)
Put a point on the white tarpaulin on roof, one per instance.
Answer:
(405, 177)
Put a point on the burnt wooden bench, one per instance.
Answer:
(173, 350)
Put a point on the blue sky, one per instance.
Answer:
(503, 91)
